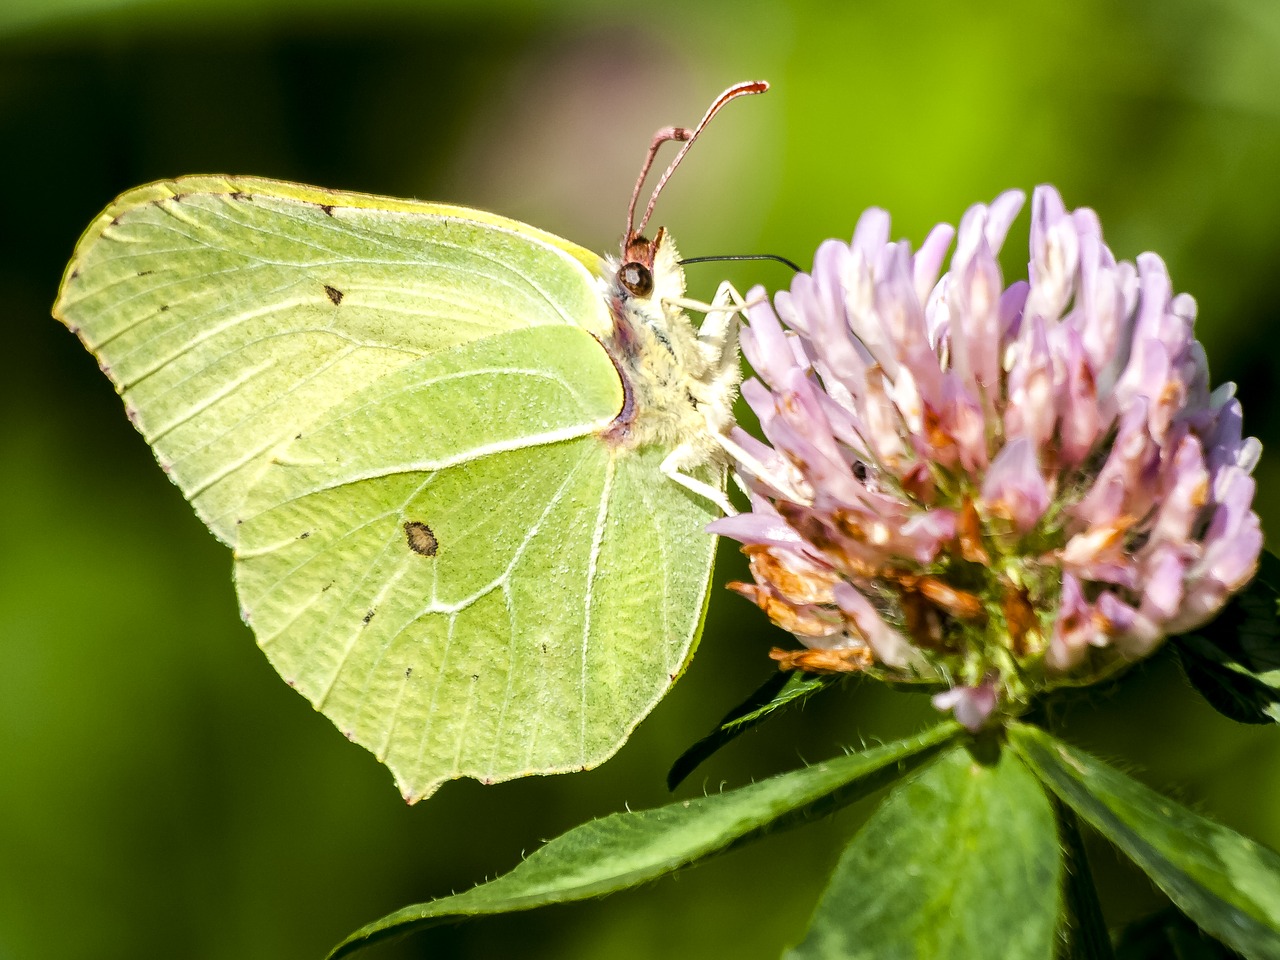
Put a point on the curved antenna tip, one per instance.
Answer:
(686, 137)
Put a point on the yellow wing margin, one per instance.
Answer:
(217, 184)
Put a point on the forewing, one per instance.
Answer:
(231, 314)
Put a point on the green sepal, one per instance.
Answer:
(1226, 883)
(1234, 660)
(780, 690)
(958, 860)
(627, 849)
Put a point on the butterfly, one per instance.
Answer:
(464, 465)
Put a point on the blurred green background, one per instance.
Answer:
(162, 793)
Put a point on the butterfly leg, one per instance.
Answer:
(726, 301)
(720, 324)
(681, 457)
(719, 373)
(719, 335)
(719, 338)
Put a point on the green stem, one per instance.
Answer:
(1086, 930)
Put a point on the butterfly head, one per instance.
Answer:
(635, 272)
(650, 269)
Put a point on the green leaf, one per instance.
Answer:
(1226, 883)
(1169, 935)
(780, 690)
(957, 861)
(1234, 660)
(626, 849)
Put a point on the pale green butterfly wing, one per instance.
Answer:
(231, 312)
(394, 412)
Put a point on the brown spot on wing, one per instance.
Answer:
(421, 539)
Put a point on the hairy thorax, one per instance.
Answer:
(679, 385)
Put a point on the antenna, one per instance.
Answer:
(685, 136)
(742, 256)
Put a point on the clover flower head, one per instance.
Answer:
(995, 489)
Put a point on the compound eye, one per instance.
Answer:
(637, 278)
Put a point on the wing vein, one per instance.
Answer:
(597, 539)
